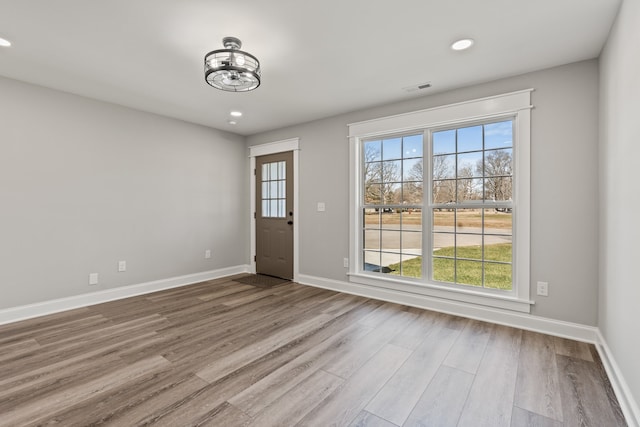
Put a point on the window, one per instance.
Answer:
(471, 205)
(441, 207)
(392, 212)
(273, 190)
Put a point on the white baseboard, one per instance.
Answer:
(29, 311)
(529, 322)
(627, 403)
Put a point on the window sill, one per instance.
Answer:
(433, 290)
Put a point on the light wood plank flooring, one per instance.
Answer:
(222, 353)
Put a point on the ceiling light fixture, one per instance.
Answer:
(236, 113)
(231, 69)
(462, 44)
(4, 42)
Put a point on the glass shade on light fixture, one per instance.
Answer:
(232, 69)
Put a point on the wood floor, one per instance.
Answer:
(222, 353)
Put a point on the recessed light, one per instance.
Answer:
(236, 114)
(4, 42)
(232, 122)
(462, 44)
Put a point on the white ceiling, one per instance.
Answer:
(318, 58)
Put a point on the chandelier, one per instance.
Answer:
(232, 69)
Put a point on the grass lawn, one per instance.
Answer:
(497, 276)
(464, 218)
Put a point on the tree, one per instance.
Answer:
(468, 188)
(381, 177)
(413, 186)
(498, 172)
(444, 187)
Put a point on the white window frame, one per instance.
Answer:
(516, 105)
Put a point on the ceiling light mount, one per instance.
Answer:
(231, 69)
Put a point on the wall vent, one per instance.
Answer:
(420, 86)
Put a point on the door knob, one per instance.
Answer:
(290, 222)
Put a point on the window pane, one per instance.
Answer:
(371, 218)
(273, 208)
(497, 248)
(282, 170)
(371, 261)
(469, 221)
(373, 172)
(372, 239)
(391, 193)
(411, 266)
(412, 146)
(412, 193)
(469, 272)
(470, 139)
(282, 193)
(469, 189)
(499, 189)
(391, 241)
(470, 165)
(498, 135)
(372, 151)
(444, 167)
(498, 162)
(265, 209)
(444, 220)
(444, 191)
(265, 172)
(392, 149)
(444, 244)
(498, 276)
(498, 221)
(444, 270)
(444, 142)
(412, 243)
(390, 263)
(273, 189)
(469, 246)
(265, 190)
(372, 194)
(412, 219)
(390, 219)
(391, 171)
(273, 170)
(281, 208)
(412, 170)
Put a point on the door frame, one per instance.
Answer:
(262, 150)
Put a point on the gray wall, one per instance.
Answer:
(564, 217)
(84, 184)
(619, 303)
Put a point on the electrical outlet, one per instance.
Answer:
(93, 278)
(207, 254)
(321, 207)
(345, 263)
(122, 266)
(543, 289)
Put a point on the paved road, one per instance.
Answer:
(412, 242)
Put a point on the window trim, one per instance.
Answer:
(514, 104)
